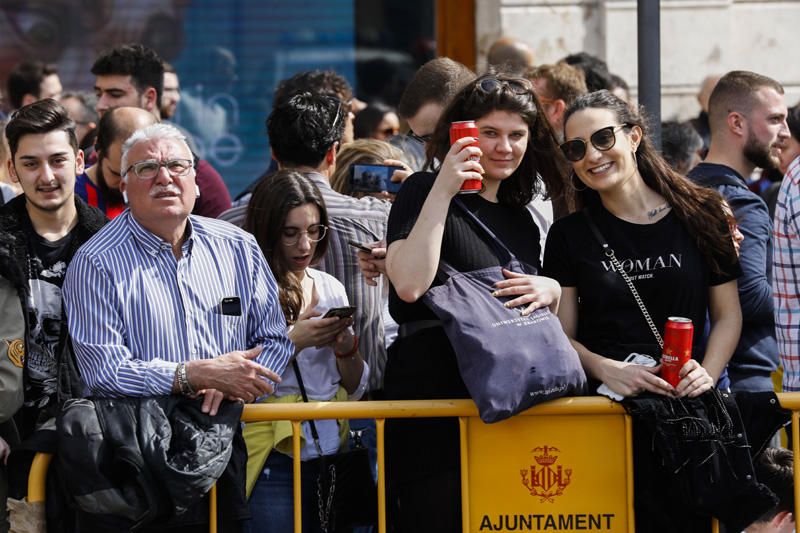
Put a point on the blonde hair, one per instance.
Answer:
(361, 152)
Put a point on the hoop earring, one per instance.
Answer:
(574, 178)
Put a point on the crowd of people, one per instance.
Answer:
(128, 272)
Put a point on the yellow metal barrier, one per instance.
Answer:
(566, 464)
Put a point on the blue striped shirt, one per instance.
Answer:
(134, 311)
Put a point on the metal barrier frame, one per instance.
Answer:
(463, 409)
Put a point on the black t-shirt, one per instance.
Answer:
(662, 260)
(464, 246)
(47, 266)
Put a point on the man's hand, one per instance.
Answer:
(373, 264)
(212, 398)
(233, 374)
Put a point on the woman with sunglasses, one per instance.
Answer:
(425, 226)
(670, 236)
(288, 218)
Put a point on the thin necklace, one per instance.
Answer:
(653, 213)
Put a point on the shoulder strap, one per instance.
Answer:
(499, 248)
(311, 423)
(609, 252)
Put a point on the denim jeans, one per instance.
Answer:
(271, 502)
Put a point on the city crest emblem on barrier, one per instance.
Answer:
(547, 480)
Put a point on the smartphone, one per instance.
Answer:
(373, 178)
(362, 247)
(340, 312)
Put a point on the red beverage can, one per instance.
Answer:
(459, 130)
(677, 348)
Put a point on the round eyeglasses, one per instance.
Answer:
(603, 139)
(148, 169)
(292, 236)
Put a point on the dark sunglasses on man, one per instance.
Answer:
(603, 139)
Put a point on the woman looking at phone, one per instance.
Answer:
(514, 144)
(288, 218)
(670, 236)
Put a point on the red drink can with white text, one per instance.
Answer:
(677, 348)
(459, 130)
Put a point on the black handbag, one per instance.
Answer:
(346, 495)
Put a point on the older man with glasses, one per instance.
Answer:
(165, 303)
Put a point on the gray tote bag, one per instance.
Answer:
(508, 362)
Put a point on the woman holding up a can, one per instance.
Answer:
(671, 239)
(514, 143)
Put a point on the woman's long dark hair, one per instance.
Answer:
(272, 200)
(541, 157)
(699, 209)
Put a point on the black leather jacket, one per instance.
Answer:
(144, 461)
(693, 459)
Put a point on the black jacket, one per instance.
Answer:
(693, 459)
(14, 248)
(136, 462)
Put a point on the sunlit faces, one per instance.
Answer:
(50, 87)
(299, 236)
(165, 198)
(388, 127)
(503, 139)
(766, 129)
(45, 166)
(117, 90)
(171, 95)
(790, 149)
(110, 161)
(609, 169)
(423, 123)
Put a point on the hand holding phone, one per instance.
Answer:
(360, 246)
(373, 178)
(340, 312)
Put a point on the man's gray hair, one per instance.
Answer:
(150, 133)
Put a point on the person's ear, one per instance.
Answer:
(636, 136)
(330, 155)
(12, 171)
(79, 163)
(737, 123)
(149, 99)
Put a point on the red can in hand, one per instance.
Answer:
(677, 348)
(459, 130)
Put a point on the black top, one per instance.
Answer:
(662, 260)
(464, 246)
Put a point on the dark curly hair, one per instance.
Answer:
(542, 157)
(302, 129)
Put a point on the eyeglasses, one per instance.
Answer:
(424, 139)
(516, 86)
(603, 139)
(388, 132)
(149, 168)
(291, 236)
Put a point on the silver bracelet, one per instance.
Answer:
(183, 380)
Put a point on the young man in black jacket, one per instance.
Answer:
(40, 231)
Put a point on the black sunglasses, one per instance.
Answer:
(603, 139)
(516, 86)
(424, 139)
